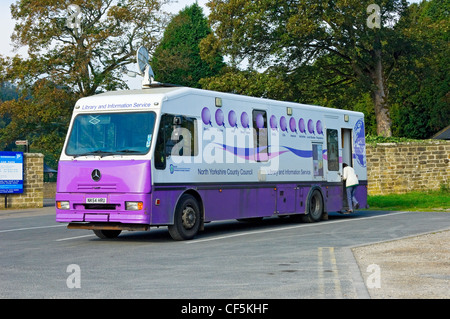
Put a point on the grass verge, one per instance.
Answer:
(413, 201)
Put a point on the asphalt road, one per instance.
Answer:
(276, 258)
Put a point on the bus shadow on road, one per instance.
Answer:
(229, 228)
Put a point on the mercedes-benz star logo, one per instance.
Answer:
(96, 175)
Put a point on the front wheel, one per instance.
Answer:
(107, 233)
(187, 219)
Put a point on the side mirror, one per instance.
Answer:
(176, 120)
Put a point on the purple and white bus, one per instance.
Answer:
(181, 157)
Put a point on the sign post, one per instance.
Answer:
(11, 174)
(23, 142)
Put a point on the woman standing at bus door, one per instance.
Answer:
(351, 181)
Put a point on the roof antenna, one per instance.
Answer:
(145, 70)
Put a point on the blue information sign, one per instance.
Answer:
(11, 172)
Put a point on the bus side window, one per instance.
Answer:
(317, 156)
(177, 136)
(184, 137)
(333, 150)
(160, 153)
(260, 137)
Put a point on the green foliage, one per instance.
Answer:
(311, 52)
(270, 84)
(413, 201)
(331, 36)
(64, 64)
(397, 75)
(8, 92)
(177, 58)
(41, 115)
(420, 93)
(87, 60)
(445, 188)
(375, 139)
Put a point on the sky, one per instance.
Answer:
(7, 24)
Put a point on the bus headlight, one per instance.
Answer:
(134, 205)
(63, 205)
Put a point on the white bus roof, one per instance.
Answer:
(167, 93)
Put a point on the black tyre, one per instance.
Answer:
(187, 219)
(107, 233)
(314, 207)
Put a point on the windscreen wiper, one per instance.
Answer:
(128, 151)
(104, 153)
(97, 152)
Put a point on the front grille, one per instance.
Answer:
(100, 206)
(97, 186)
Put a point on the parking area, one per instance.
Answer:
(273, 259)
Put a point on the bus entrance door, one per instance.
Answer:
(346, 135)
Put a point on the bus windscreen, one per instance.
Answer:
(105, 134)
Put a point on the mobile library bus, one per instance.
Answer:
(181, 157)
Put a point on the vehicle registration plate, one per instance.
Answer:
(96, 200)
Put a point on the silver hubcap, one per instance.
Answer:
(188, 217)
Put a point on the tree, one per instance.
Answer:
(7, 92)
(74, 50)
(41, 116)
(420, 94)
(86, 54)
(293, 34)
(177, 58)
(273, 85)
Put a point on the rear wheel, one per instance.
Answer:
(187, 219)
(107, 233)
(314, 207)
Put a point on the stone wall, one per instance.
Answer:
(404, 167)
(391, 168)
(33, 184)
